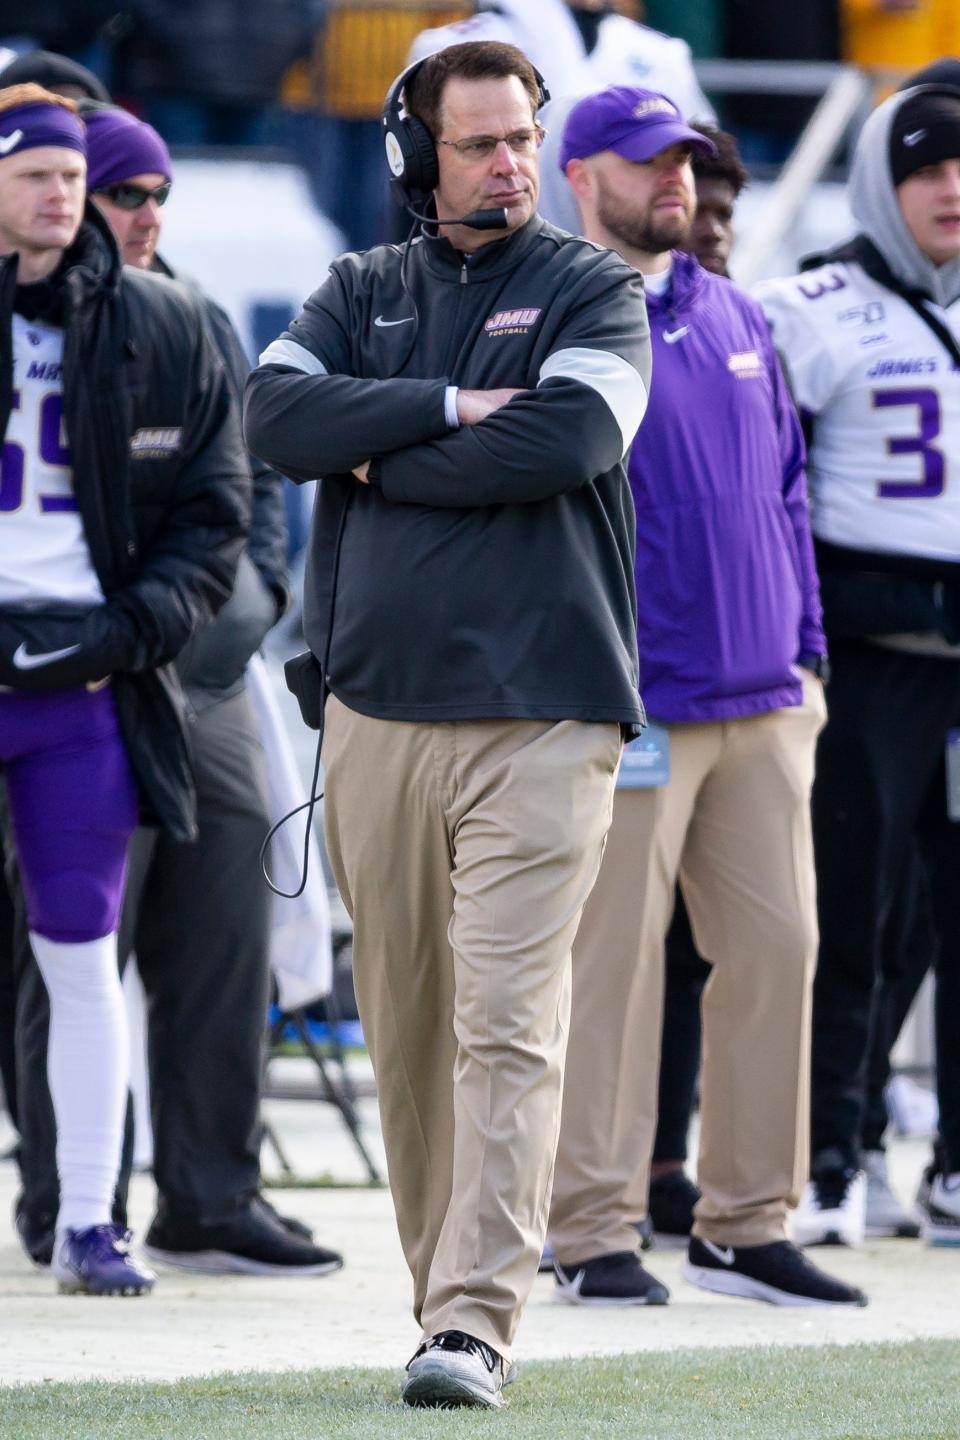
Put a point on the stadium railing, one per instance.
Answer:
(846, 95)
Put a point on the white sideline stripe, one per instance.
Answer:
(613, 378)
(287, 352)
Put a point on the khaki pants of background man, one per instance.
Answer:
(734, 823)
(464, 852)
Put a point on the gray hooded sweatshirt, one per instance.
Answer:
(873, 200)
(870, 593)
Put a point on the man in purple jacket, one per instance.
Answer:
(731, 658)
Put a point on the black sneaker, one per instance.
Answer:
(36, 1231)
(672, 1198)
(253, 1242)
(778, 1273)
(289, 1222)
(454, 1368)
(617, 1279)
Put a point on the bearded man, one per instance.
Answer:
(732, 658)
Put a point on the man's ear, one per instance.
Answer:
(578, 178)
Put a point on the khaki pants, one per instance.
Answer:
(464, 852)
(734, 824)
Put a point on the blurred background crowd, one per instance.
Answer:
(309, 76)
(230, 86)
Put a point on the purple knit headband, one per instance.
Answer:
(40, 123)
(120, 146)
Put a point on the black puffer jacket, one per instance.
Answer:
(163, 488)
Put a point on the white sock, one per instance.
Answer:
(88, 1069)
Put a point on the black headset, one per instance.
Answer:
(411, 149)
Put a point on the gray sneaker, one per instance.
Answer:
(885, 1214)
(454, 1368)
(941, 1215)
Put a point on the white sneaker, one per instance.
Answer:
(832, 1209)
(885, 1214)
(454, 1368)
(941, 1212)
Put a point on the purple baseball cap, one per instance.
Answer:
(636, 124)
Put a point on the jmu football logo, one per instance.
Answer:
(157, 443)
(745, 364)
(511, 322)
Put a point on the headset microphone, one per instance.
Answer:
(476, 220)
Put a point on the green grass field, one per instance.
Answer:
(863, 1392)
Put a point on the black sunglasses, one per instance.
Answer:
(131, 197)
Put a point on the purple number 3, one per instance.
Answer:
(927, 403)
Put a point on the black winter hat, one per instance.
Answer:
(925, 130)
(43, 67)
(945, 71)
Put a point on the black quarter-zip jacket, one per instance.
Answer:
(488, 570)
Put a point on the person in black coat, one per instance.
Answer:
(125, 501)
(197, 915)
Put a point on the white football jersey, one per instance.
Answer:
(43, 550)
(543, 29)
(626, 52)
(884, 464)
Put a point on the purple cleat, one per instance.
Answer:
(97, 1261)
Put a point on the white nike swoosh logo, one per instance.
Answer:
(726, 1257)
(672, 336)
(24, 660)
(914, 137)
(7, 142)
(384, 324)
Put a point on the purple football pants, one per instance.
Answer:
(73, 808)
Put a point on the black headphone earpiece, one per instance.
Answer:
(410, 149)
(411, 153)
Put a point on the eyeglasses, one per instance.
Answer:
(131, 197)
(481, 147)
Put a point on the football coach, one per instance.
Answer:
(466, 402)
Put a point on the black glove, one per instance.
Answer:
(109, 641)
(61, 647)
